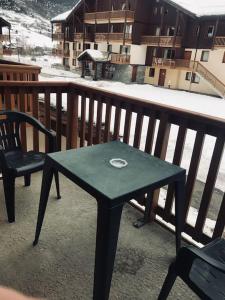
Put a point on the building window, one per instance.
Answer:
(96, 46)
(125, 50)
(210, 31)
(154, 52)
(155, 11)
(74, 46)
(169, 53)
(74, 62)
(87, 46)
(166, 11)
(79, 46)
(171, 31)
(195, 78)
(157, 31)
(197, 30)
(188, 76)
(152, 72)
(205, 56)
(161, 10)
(223, 58)
(109, 48)
(66, 62)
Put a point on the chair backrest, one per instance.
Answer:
(10, 130)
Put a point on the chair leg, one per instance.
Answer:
(57, 185)
(168, 283)
(9, 190)
(27, 179)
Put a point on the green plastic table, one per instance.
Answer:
(89, 167)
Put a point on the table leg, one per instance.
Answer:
(108, 223)
(45, 188)
(179, 210)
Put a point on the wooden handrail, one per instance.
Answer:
(210, 77)
(86, 122)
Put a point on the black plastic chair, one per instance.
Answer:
(203, 270)
(14, 162)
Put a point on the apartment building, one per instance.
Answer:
(4, 33)
(159, 42)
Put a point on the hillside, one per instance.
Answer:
(44, 8)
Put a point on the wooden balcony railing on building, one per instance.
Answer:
(57, 52)
(113, 37)
(66, 53)
(93, 115)
(121, 59)
(103, 17)
(215, 82)
(173, 63)
(58, 36)
(162, 41)
(219, 42)
(78, 36)
(4, 37)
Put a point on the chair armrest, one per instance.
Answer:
(192, 253)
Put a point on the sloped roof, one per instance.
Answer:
(94, 55)
(3, 22)
(201, 8)
(64, 16)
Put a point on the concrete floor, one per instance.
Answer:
(61, 266)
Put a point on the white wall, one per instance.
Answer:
(138, 54)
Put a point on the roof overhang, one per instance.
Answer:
(4, 23)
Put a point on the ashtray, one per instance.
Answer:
(118, 163)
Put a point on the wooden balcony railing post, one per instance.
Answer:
(23, 130)
(90, 121)
(83, 121)
(59, 120)
(36, 115)
(99, 122)
(107, 120)
(47, 116)
(72, 121)
(150, 133)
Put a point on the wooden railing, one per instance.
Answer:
(58, 36)
(112, 16)
(219, 41)
(94, 116)
(18, 72)
(78, 36)
(217, 84)
(162, 41)
(113, 37)
(173, 63)
(120, 58)
(4, 37)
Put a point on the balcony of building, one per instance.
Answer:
(81, 116)
(114, 37)
(162, 41)
(173, 63)
(104, 17)
(219, 42)
(79, 36)
(76, 53)
(121, 59)
(58, 36)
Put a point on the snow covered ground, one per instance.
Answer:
(28, 31)
(211, 106)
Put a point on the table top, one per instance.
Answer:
(91, 169)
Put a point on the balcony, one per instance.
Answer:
(120, 59)
(4, 37)
(162, 41)
(79, 128)
(219, 42)
(57, 52)
(58, 36)
(104, 17)
(66, 53)
(78, 36)
(113, 37)
(173, 63)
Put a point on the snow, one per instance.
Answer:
(203, 7)
(96, 55)
(65, 15)
(28, 31)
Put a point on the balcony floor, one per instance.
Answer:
(61, 266)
